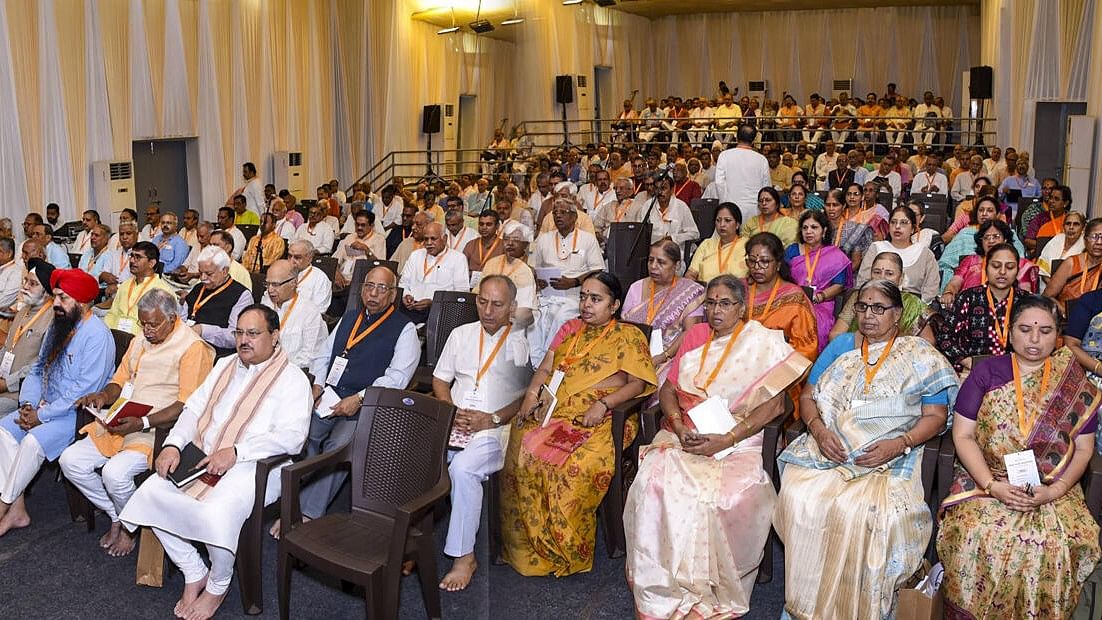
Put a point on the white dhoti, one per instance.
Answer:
(554, 311)
(19, 462)
(110, 489)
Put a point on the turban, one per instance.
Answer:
(516, 230)
(76, 284)
(41, 270)
(567, 185)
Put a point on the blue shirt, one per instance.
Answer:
(57, 256)
(174, 251)
(97, 266)
(845, 343)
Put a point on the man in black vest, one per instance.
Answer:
(213, 305)
(374, 346)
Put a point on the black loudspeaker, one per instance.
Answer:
(564, 89)
(979, 82)
(430, 119)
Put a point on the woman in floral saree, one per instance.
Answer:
(696, 525)
(851, 510)
(556, 475)
(1021, 551)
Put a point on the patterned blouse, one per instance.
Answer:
(970, 329)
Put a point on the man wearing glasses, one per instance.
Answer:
(173, 361)
(313, 284)
(372, 346)
(302, 331)
(211, 308)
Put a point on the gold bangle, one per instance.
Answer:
(1095, 367)
(987, 487)
(907, 441)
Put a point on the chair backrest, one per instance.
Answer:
(704, 214)
(360, 269)
(449, 310)
(74, 260)
(122, 342)
(327, 265)
(822, 194)
(643, 327)
(936, 208)
(885, 200)
(625, 264)
(249, 230)
(398, 452)
(259, 285)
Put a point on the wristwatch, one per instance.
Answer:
(496, 419)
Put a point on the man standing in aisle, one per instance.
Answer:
(741, 172)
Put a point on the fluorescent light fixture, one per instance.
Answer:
(448, 30)
(512, 21)
(569, 2)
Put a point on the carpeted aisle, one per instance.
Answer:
(55, 569)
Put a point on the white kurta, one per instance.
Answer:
(319, 235)
(348, 255)
(315, 286)
(303, 333)
(279, 427)
(677, 223)
(460, 241)
(423, 275)
(573, 259)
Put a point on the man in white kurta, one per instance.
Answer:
(434, 267)
(487, 389)
(313, 284)
(302, 331)
(671, 217)
(623, 208)
(316, 231)
(364, 242)
(274, 397)
(560, 258)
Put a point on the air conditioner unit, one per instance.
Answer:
(113, 188)
(290, 174)
(841, 86)
(585, 108)
(759, 87)
(451, 142)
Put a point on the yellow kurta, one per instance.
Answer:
(707, 263)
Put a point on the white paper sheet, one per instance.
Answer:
(713, 417)
(328, 400)
(546, 274)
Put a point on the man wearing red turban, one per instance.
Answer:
(77, 358)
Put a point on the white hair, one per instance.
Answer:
(216, 256)
(515, 229)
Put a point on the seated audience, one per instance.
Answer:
(914, 319)
(224, 240)
(486, 246)
(623, 209)
(123, 314)
(1050, 221)
(285, 224)
(364, 242)
(596, 363)
(770, 219)
(458, 235)
(822, 270)
(257, 260)
(972, 269)
(76, 358)
(213, 306)
(243, 215)
(190, 269)
(1029, 551)
(316, 231)
(56, 255)
(971, 240)
(173, 362)
(171, 247)
(669, 217)
(512, 265)
(412, 240)
(850, 235)
(871, 400)
(487, 390)
(966, 210)
(774, 300)
(1068, 242)
(435, 267)
(252, 405)
(1080, 273)
(714, 511)
(32, 320)
(88, 220)
(723, 252)
(227, 225)
(920, 270)
(302, 331)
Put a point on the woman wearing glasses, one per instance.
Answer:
(875, 217)
(851, 511)
(774, 300)
(696, 525)
(970, 240)
(915, 318)
(920, 273)
(1080, 273)
(1059, 248)
(978, 324)
(1024, 550)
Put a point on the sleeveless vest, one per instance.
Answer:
(370, 358)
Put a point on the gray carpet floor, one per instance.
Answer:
(55, 569)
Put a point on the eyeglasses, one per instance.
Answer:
(853, 193)
(759, 262)
(252, 334)
(279, 284)
(377, 288)
(724, 305)
(994, 238)
(1095, 237)
(877, 309)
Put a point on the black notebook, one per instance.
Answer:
(185, 469)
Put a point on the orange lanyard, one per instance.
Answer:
(130, 303)
(122, 259)
(570, 359)
(355, 339)
(573, 245)
(983, 272)
(620, 213)
(677, 190)
(458, 240)
(493, 354)
(201, 301)
(426, 268)
(870, 373)
(719, 363)
(305, 274)
(1002, 328)
(287, 315)
(812, 266)
(651, 308)
(505, 263)
(19, 331)
(482, 251)
(768, 304)
(762, 222)
(1025, 424)
(722, 260)
(1086, 270)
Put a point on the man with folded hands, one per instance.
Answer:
(173, 361)
(253, 405)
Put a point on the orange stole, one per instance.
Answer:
(791, 313)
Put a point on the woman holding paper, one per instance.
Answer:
(558, 467)
(1028, 552)
(667, 303)
(851, 510)
(697, 515)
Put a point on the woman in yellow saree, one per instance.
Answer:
(695, 524)
(851, 510)
(556, 474)
(1010, 550)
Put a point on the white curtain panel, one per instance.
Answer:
(13, 174)
(143, 112)
(176, 117)
(57, 170)
(212, 167)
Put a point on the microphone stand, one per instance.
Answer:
(663, 174)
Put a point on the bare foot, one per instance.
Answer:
(459, 576)
(15, 517)
(408, 566)
(122, 545)
(109, 537)
(190, 594)
(205, 606)
(277, 528)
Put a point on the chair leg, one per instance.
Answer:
(491, 494)
(611, 512)
(79, 506)
(249, 577)
(765, 569)
(426, 570)
(283, 577)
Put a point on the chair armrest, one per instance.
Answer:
(648, 420)
(414, 507)
(771, 434)
(290, 510)
(263, 469)
(620, 415)
(1093, 482)
(794, 430)
(931, 451)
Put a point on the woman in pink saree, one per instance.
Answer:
(699, 511)
(824, 271)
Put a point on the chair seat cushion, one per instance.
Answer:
(356, 541)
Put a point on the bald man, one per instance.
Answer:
(435, 267)
(302, 331)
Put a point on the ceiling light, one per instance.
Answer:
(512, 21)
(448, 30)
(569, 2)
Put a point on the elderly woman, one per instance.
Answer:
(1080, 273)
(811, 200)
(669, 304)
(770, 219)
(724, 252)
(915, 318)
(1025, 550)
(920, 273)
(851, 510)
(821, 269)
(558, 468)
(1063, 245)
(696, 524)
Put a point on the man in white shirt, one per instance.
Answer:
(815, 115)
(542, 193)
(886, 174)
(741, 172)
(284, 226)
(478, 200)
(927, 116)
(931, 180)
(302, 332)
(624, 208)
(962, 185)
(11, 275)
(95, 260)
(458, 233)
(600, 192)
(701, 116)
(391, 207)
(364, 242)
(152, 223)
(991, 163)
(226, 225)
(253, 190)
(670, 216)
(84, 238)
(313, 284)
(726, 117)
(487, 390)
(336, 193)
(825, 163)
(435, 267)
(855, 161)
(316, 231)
(650, 121)
(117, 268)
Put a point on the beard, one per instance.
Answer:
(65, 322)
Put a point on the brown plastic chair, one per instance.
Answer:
(449, 310)
(398, 474)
